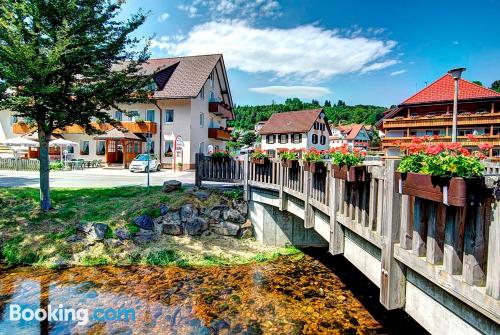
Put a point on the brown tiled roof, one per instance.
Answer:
(182, 77)
(117, 134)
(351, 131)
(290, 122)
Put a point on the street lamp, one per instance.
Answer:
(456, 74)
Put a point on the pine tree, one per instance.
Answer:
(56, 60)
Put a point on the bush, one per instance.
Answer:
(259, 154)
(94, 261)
(313, 155)
(288, 155)
(56, 166)
(343, 156)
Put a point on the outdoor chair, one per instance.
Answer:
(99, 163)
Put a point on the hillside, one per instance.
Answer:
(247, 116)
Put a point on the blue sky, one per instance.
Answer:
(362, 52)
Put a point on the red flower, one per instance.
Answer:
(471, 137)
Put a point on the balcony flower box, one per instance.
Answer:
(291, 164)
(289, 158)
(315, 167)
(259, 157)
(349, 174)
(220, 157)
(451, 191)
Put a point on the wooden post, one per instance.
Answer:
(246, 176)
(336, 231)
(283, 201)
(454, 240)
(420, 215)
(435, 233)
(197, 171)
(493, 273)
(372, 205)
(406, 232)
(393, 280)
(475, 240)
(308, 210)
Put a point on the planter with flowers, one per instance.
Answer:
(442, 172)
(346, 164)
(220, 156)
(314, 161)
(289, 158)
(259, 157)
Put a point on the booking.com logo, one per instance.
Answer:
(81, 315)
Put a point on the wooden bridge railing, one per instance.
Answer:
(222, 170)
(457, 249)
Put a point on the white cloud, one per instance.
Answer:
(307, 92)
(455, 42)
(224, 9)
(396, 73)
(307, 53)
(163, 17)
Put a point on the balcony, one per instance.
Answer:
(134, 127)
(220, 109)
(492, 139)
(219, 134)
(442, 120)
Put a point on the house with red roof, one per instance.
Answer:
(354, 135)
(430, 112)
(304, 129)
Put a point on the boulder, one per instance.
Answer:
(171, 185)
(163, 209)
(195, 226)
(246, 233)
(144, 235)
(144, 222)
(241, 206)
(233, 215)
(94, 231)
(188, 211)
(214, 214)
(226, 228)
(172, 218)
(158, 224)
(122, 234)
(173, 229)
(202, 195)
(247, 224)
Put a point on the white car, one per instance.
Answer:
(140, 163)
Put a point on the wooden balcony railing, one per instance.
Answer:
(220, 109)
(455, 248)
(219, 134)
(134, 127)
(479, 139)
(442, 121)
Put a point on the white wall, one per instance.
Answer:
(5, 126)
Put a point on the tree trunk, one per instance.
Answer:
(45, 203)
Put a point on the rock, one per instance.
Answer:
(173, 229)
(247, 224)
(114, 242)
(122, 234)
(144, 235)
(144, 222)
(158, 225)
(195, 226)
(214, 214)
(246, 233)
(163, 209)
(171, 185)
(74, 239)
(226, 228)
(60, 263)
(241, 207)
(188, 211)
(97, 231)
(233, 215)
(202, 195)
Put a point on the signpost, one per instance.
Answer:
(148, 149)
(178, 146)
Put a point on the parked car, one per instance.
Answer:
(140, 163)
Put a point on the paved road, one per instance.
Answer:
(91, 178)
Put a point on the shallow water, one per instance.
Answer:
(286, 296)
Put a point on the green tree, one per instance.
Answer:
(477, 82)
(249, 138)
(496, 85)
(56, 60)
(327, 103)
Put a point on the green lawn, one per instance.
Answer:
(31, 237)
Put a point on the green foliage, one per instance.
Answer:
(162, 257)
(94, 261)
(477, 82)
(496, 86)
(342, 156)
(259, 154)
(132, 228)
(220, 154)
(56, 165)
(247, 116)
(234, 194)
(288, 155)
(313, 156)
(14, 253)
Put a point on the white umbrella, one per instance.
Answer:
(60, 142)
(20, 142)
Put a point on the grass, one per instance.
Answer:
(29, 236)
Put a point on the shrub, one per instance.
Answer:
(162, 257)
(259, 154)
(56, 165)
(288, 155)
(425, 156)
(94, 261)
(344, 156)
(220, 154)
(132, 228)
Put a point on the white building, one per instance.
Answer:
(296, 130)
(190, 106)
(354, 135)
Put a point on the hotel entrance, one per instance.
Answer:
(121, 147)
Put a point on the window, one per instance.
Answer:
(70, 149)
(169, 148)
(202, 120)
(133, 115)
(101, 148)
(169, 115)
(297, 138)
(136, 147)
(464, 132)
(496, 152)
(118, 116)
(314, 139)
(150, 115)
(271, 153)
(112, 146)
(283, 138)
(211, 79)
(152, 147)
(202, 93)
(316, 125)
(270, 139)
(13, 119)
(84, 148)
(496, 131)
(322, 127)
(322, 140)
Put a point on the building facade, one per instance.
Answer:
(295, 130)
(187, 114)
(430, 112)
(353, 135)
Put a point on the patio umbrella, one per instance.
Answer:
(20, 142)
(60, 142)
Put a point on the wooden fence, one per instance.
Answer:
(457, 249)
(17, 164)
(221, 170)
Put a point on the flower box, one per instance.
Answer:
(351, 174)
(259, 161)
(220, 159)
(291, 164)
(315, 167)
(454, 191)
